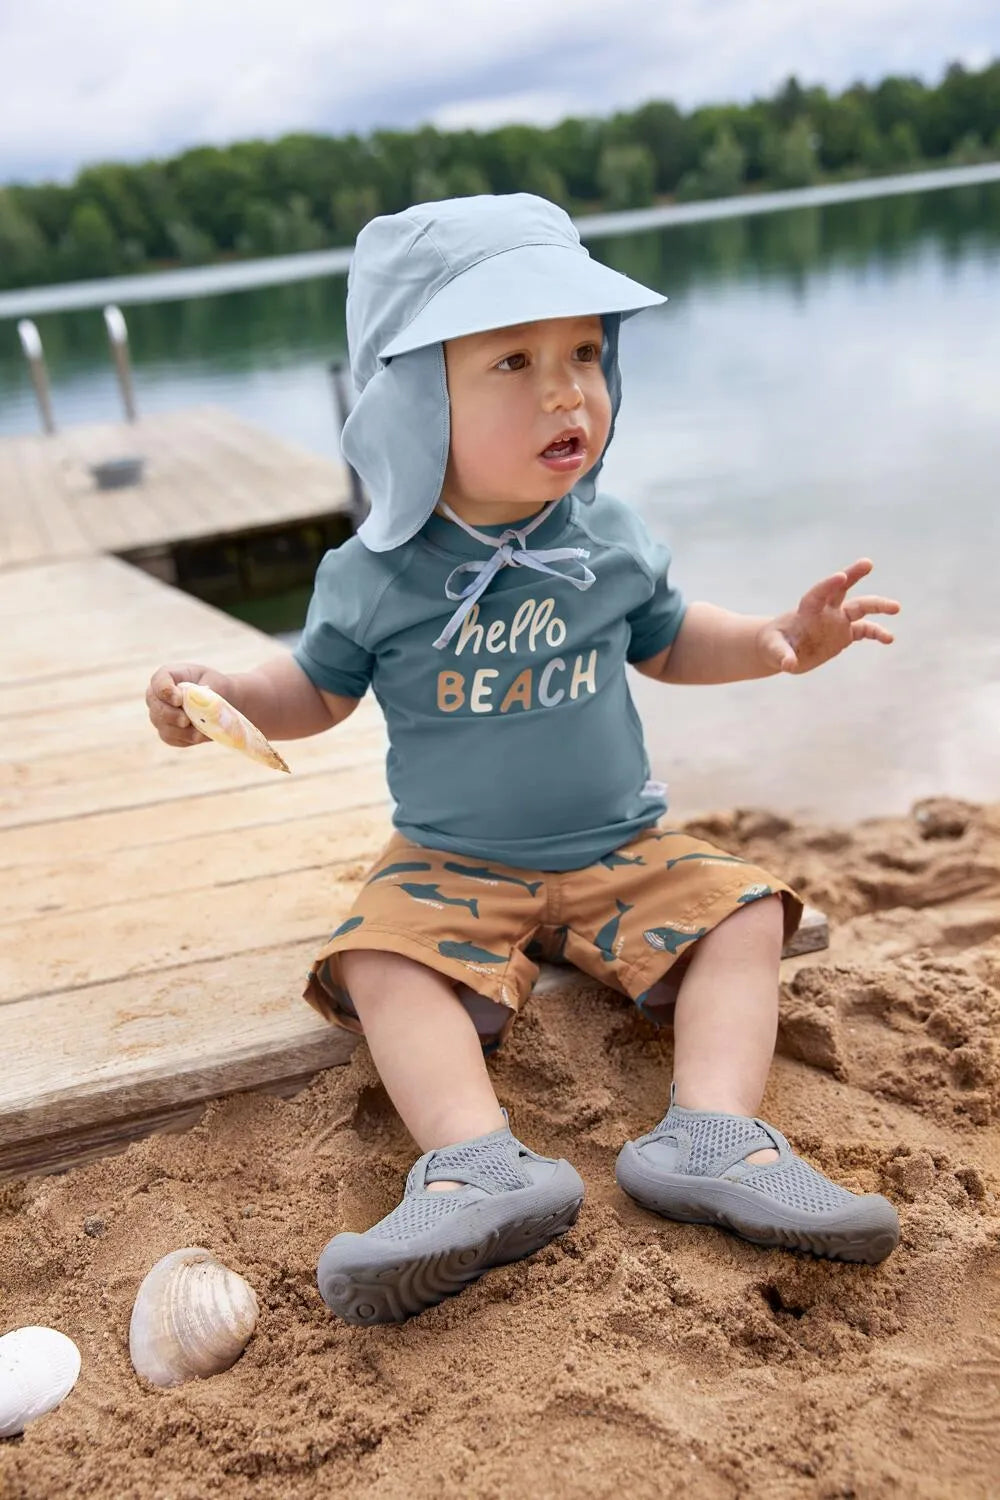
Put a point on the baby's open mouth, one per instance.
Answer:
(563, 449)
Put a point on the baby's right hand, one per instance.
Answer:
(163, 699)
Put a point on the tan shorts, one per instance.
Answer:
(631, 920)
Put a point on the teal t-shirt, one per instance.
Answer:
(518, 741)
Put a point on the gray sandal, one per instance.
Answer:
(432, 1244)
(691, 1167)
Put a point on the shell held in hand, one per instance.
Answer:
(220, 721)
(192, 1318)
(38, 1369)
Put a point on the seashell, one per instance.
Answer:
(192, 1318)
(209, 712)
(38, 1369)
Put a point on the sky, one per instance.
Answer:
(132, 79)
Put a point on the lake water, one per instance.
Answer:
(823, 384)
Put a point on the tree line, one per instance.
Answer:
(308, 191)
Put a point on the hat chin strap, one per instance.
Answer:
(504, 557)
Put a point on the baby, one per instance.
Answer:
(484, 346)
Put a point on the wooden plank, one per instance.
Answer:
(81, 746)
(57, 787)
(207, 474)
(95, 687)
(813, 934)
(187, 860)
(71, 950)
(22, 538)
(120, 1053)
(323, 794)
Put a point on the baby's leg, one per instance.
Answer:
(425, 1046)
(726, 1020)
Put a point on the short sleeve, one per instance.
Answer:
(655, 622)
(329, 650)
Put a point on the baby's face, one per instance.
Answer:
(513, 391)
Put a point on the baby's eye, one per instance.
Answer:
(595, 354)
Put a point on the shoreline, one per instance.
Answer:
(278, 270)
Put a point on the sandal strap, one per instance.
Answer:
(490, 1162)
(708, 1144)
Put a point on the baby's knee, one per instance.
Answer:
(375, 974)
(763, 918)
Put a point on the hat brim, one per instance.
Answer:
(525, 285)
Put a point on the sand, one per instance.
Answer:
(633, 1356)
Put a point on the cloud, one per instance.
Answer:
(126, 81)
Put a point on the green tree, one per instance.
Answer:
(789, 104)
(429, 186)
(723, 165)
(113, 188)
(213, 190)
(626, 176)
(352, 207)
(902, 146)
(573, 149)
(668, 137)
(842, 127)
(89, 247)
(547, 182)
(270, 229)
(190, 245)
(23, 251)
(969, 150)
(465, 181)
(792, 156)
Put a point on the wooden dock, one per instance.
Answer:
(160, 906)
(207, 474)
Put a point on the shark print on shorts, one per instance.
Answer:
(610, 861)
(630, 919)
(670, 939)
(605, 939)
(754, 893)
(482, 872)
(435, 895)
(470, 952)
(404, 868)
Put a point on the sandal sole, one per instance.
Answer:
(412, 1284)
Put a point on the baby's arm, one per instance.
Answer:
(277, 696)
(716, 645)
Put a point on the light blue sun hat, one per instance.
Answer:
(440, 271)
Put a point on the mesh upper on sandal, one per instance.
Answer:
(718, 1142)
(488, 1164)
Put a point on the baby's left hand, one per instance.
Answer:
(823, 624)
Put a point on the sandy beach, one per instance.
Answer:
(632, 1356)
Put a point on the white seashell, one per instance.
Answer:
(38, 1369)
(192, 1318)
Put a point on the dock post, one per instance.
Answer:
(359, 505)
(31, 343)
(114, 321)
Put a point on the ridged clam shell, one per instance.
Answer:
(192, 1318)
(38, 1369)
